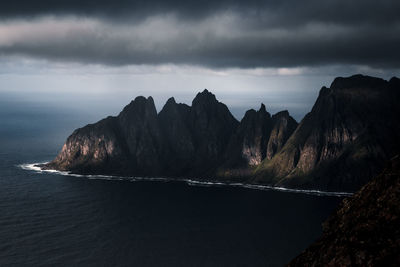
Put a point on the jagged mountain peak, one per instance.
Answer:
(142, 99)
(261, 111)
(283, 113)
(171, 100)
(139, 101)
(169, 106)
(204, 97)
(172, 106)
(205, 91)
(262, 108)
(139, 109)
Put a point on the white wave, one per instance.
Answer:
(34, 167)
(30, 167)
(268, 187)
(303, 191)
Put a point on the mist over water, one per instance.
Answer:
(50, 219)
(104, 94)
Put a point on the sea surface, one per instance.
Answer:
(48, 219)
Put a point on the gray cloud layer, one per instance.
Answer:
(210, 33)
(278, 11)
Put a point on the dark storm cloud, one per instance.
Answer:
(225, 33)
(279, 11)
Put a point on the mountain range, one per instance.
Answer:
(349, 134)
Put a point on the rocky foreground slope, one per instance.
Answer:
(365, 230)
(348, 135)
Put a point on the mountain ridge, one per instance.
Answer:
(352, 124)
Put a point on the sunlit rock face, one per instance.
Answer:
(252, 137)
(255, 128)
(94, 147)
(259, 136)
(283, 125)
(109, 145)
(346, 138)
(364, 231)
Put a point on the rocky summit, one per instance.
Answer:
(349, 134)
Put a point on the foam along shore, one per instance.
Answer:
(36, 168)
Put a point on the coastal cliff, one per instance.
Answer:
(350, 132)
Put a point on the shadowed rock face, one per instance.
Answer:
(178, 142)
(255, 129)
(283, 127)
(212, 125)
(195, 138)
(365, 230)
(142, 135)
(350, 132)
(346, 138)
(259, 136)
(247, 146)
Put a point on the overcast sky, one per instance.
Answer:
(102, 53)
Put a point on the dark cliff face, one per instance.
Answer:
(142, 135)
(349, 134)
(178, 142)
(254, 131)
(259, 136)
(283, 125)
(212, 125)
(195, 138)
(247, 147)
(365, 230)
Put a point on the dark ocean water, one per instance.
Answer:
(55, 220)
